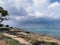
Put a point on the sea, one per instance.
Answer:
(55, 32)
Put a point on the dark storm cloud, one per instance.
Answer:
(43, 22)
(39, 21)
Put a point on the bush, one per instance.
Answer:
(7, 25)
(44, 43)
(1, 25)
(1, 29)
(11, 27)
(9, 40)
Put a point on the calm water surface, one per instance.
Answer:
(51, 32)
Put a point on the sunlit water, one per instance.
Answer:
(51, 32)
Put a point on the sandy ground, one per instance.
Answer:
(21, 40)
(2, 42)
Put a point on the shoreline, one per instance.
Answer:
(54, 36)
(32, 37)
(27, 37)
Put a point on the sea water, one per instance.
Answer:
(46, 31)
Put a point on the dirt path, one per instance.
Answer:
(2, 42)
(21, 40)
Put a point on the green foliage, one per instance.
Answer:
(1, 35)
(3, 13)
(4, 29)
(1, 25)
(7, 25)
(9, 40)
(44, 43)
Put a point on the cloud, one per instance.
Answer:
(40, 5)
(36, 2)
(38, 14)
(19, 18)
(52, 15)
(53, 10)
(40, 23)
(55, 4)
(27, 13)
(14, 7)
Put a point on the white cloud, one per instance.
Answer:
(55, 4)
(39, 2)
(52, 15)
(29, 9)
(39, 14)
(36, 9)
(19, 18)
(41, 5)
(17, 4)
(54, 10)
(2, 3)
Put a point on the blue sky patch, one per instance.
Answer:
(54, 1)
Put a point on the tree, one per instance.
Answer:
(3, 14)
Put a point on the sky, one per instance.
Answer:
(32, 13)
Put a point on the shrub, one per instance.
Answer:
(44, 43)
(7, 25)
(1, 25)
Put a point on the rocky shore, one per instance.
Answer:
(33, 39)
